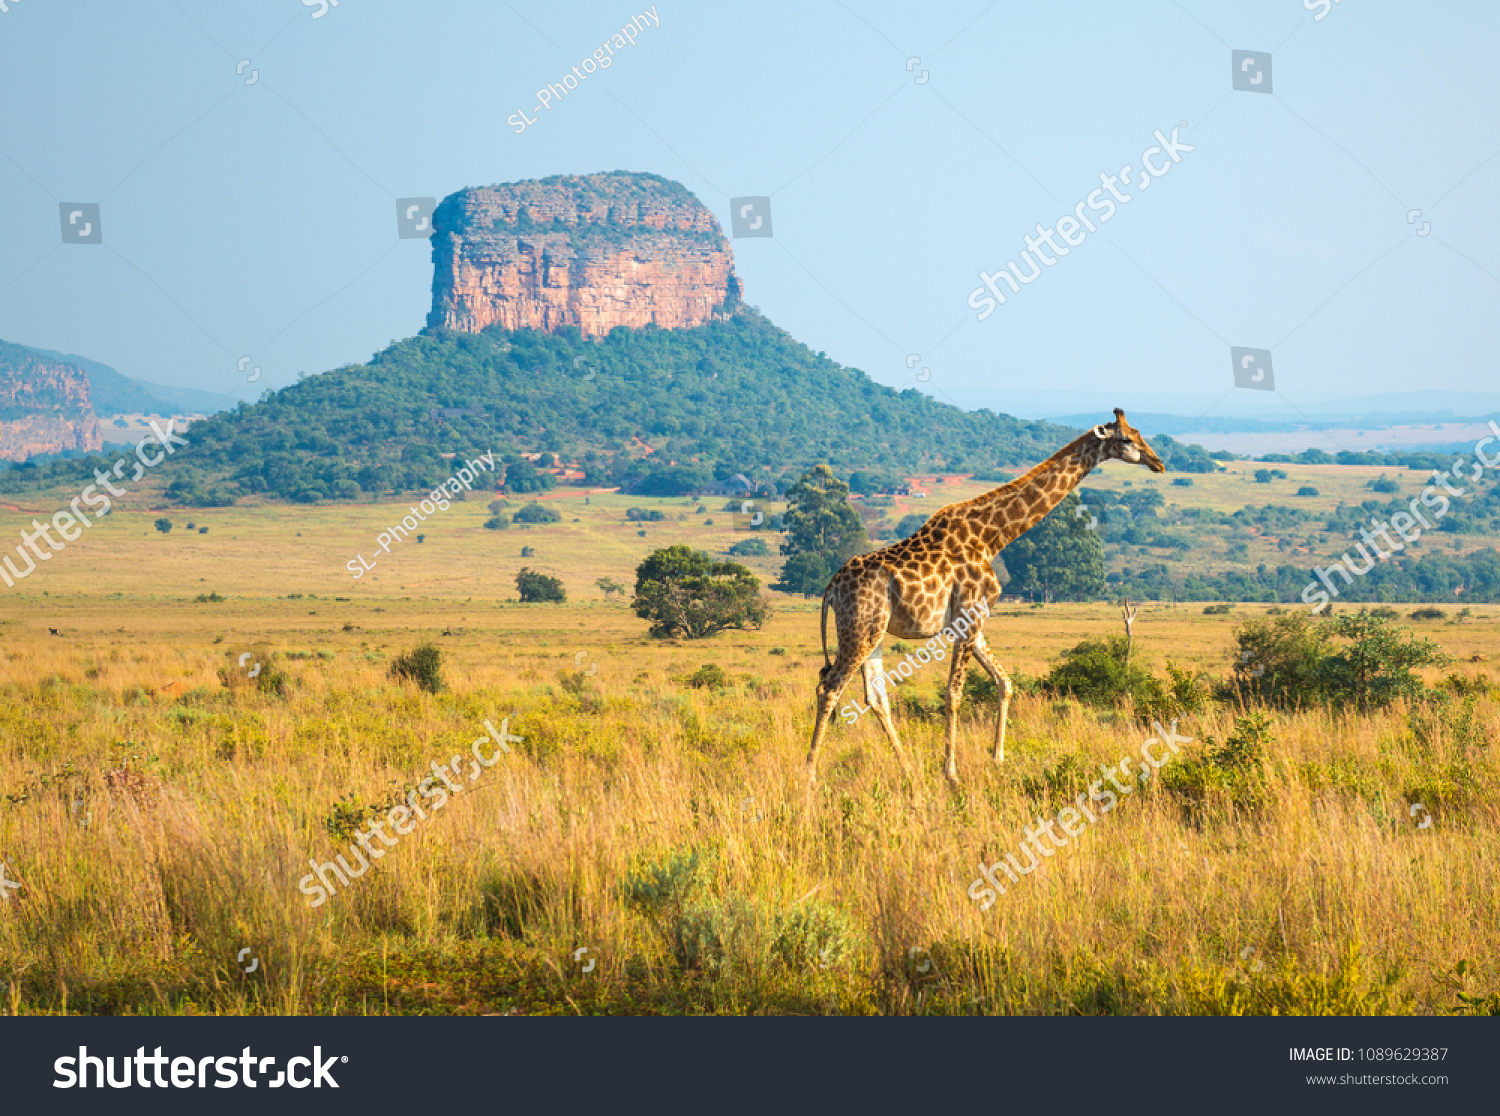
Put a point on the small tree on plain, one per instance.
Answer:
(684, 592)
(539, 588)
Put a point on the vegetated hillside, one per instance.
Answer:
(730, 396)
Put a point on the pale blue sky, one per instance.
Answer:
(260, 220)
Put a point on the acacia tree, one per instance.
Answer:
(822, 532)
(684, 592)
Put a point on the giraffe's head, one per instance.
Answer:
(1122, 442)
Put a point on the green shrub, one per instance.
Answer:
(1375, 666)
(1343, 775)
(749, 548)
(1449, 786)
(1451, 717)
(422, 665)
(717, 934)
(1277, 660)
(1217, 609)
(1232, 771)
(1427, 614)
(1096, 673)
(1307, 490)
(980, 689)
(814, 934)
(709, 676)
(1183, 691)
(1065, 780)
(663, 886)
(1476, 685)
(537, 513)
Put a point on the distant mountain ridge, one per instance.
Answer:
(112, 393)
(1388, 408)
(44, 406)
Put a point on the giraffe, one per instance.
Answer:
(916, 588)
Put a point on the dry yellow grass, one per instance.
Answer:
(155, 837)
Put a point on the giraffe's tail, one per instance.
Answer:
(823, 623)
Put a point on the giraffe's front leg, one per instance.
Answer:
(1003, 683)
(878, 698)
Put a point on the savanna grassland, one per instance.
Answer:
(158, 806)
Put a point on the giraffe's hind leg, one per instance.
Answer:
(878, 698)
(861, 615)
(1003, 683)
(830, 685)
(953, 698)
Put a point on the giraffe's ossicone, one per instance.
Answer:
(916, 588)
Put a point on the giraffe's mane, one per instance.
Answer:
(1026, 479)
(945, 514)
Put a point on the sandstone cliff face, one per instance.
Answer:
(44, 406)
(593, 251)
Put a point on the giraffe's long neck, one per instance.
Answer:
(1013, 509)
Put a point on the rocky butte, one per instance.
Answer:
(593, 251)
(44, 406)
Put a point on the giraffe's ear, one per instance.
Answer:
(1101, 433)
